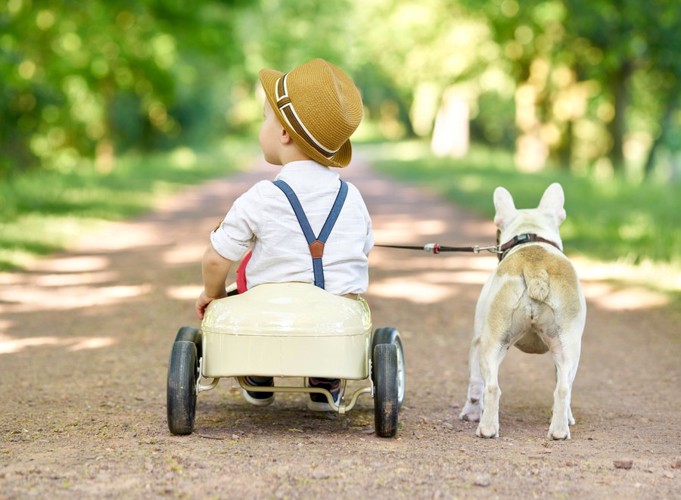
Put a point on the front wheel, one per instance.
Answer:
(182, 375)
(386, 403)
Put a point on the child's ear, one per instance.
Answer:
(285, 136)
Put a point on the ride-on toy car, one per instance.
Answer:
(288, 330)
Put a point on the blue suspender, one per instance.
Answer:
(316, 243)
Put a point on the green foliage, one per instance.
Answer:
(80, 78)
(93, 79)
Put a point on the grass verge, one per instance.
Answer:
(42, 211)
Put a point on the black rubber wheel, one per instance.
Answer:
(386, 405)
(182, 374)
(191, 335)
(390, 335)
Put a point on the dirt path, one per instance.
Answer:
(85, 338)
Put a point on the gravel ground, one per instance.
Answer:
(85, 338)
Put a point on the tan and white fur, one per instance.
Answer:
(533, 301)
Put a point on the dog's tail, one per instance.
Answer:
(537, 281)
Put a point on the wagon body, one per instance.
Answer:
(287, 330)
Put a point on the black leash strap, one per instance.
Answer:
(436, 248)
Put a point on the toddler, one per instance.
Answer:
(307, 225)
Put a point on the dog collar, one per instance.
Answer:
(522, 239)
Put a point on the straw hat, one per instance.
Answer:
(319, 106)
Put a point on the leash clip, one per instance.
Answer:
(433, 248)
(490, 249)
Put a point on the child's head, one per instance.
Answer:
(320, 108)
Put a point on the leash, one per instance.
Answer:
(500, 250)
(436, 248)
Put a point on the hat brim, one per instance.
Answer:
(268, 79)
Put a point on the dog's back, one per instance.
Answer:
(546, 285)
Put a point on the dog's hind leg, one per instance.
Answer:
(492, 354)
(566, 359)
(472, 409)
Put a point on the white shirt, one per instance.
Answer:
(263, 218)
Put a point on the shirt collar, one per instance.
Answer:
(306, 171)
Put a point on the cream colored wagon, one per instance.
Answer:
(289, 330)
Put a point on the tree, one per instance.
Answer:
(85, 78)
(636, 40)
(664, 80)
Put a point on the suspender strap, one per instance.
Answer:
(315, 243)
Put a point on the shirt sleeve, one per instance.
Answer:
(233, 237)
(369, 241)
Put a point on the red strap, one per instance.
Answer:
(241, 285)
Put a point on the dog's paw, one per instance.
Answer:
(559, 434)
(471, 411)
(470, 416)
(487, 431)
(560, 425)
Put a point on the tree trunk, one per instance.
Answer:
(670, 109)
(564, 150)
(451, 136)
(617, 126)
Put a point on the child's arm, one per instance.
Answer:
(214, 269)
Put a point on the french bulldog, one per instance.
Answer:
(532, 301)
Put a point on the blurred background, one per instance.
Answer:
(578, 84)
(580, 88)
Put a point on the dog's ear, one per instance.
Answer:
(552, 202)
(503, 203)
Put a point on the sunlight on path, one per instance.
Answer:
(615, 298)
(11, 345)
(104, 274)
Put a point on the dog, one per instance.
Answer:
(533, 301)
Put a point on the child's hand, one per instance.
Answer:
(214, 269)
(202, 303)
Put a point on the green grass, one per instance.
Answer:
(42, 211)
(609, 220)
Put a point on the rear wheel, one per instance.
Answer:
(390, 335)
(386, 405)
(181, 394)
